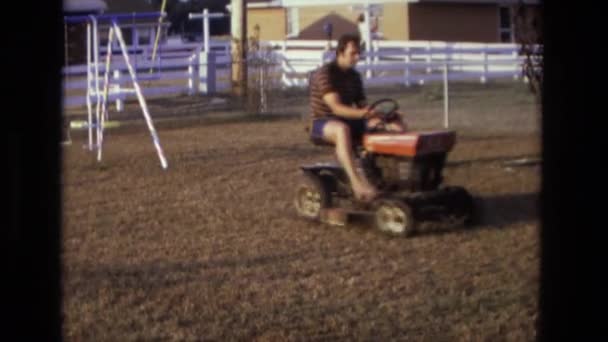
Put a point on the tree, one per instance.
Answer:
(528, 34)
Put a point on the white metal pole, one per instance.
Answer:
(140, 97)
(206, 29)
(116, 88)
(446, 122)
(89, 86)
(106, 87)
(96, 61)
(205, 24)
(206, 16)
(368, 37)
(160, 20)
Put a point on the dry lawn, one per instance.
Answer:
(210, 249)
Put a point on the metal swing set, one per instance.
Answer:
(98, 122)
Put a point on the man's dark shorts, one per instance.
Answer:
(357, 128)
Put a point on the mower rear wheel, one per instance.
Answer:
(464, 205)
(394, 217)
(312, 195)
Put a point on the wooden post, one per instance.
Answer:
(238, 20)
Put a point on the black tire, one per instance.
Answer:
(312, 195)
(477, 211)
(465, 206)
(394, 217)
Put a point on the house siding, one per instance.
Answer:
(394, 23)
(312, 20)
(453, 22)
(272, 22)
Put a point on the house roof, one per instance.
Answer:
(264, 3)
(130, 6)
(261, 4)
(84, 6)
(301, 3)
(498, 2)
(260, 1)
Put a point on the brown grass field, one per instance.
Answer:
(210, 249)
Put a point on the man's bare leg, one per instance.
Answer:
(339, 134)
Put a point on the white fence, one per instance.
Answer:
(182, 68)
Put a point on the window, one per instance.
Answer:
(505, 28)
(293, 22)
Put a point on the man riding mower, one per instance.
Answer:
(396, 175)
(406, 168)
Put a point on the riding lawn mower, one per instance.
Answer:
(407, 169)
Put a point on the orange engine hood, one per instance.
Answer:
(410, 144)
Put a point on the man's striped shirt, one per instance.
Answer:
(330, 78)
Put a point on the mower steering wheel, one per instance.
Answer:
(387, 114)
(388, 111)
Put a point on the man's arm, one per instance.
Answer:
(333, 101)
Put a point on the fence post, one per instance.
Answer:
(116, 90)
(376, 46)
(429, 58)
(284, 63)
(370, 59)
(207, 72)
(194, 78)
(446, 120)
(484, 76)
(151, 36)
(449, 51)
(515, 56)
(406, 72)
(191, 77)
(135, 40)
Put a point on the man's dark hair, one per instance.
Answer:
(347, 38)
